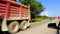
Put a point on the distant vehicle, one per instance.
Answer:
(14, 16)
(52, 18)
(58, 17)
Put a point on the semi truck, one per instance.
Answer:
(13, 16)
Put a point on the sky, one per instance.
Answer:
(52, 7)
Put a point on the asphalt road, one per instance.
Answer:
(40, 28)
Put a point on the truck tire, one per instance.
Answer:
(23, 25)
(13, 27)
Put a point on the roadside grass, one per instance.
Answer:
(39, 19)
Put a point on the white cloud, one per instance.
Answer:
(44, 13)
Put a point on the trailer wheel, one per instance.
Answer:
(13, 27)
(24, 25)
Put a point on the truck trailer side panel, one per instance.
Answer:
(12, 11)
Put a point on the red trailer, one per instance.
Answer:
(14, 16)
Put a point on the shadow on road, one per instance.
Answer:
(8, 32)
(3, 32)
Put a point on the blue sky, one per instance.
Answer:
(52, 7)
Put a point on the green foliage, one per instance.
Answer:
(35, 7)
(39, 18)
(14, 0)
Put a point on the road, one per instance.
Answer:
(40, 28)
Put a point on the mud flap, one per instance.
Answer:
(4, 25)
(28, 23)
